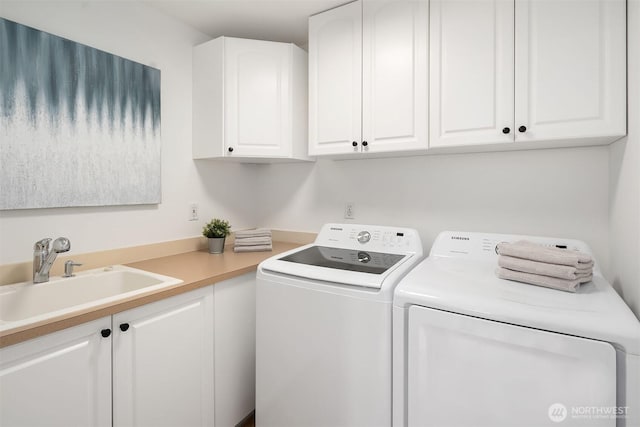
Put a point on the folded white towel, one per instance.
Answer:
(255, 248)
(545, 269)
(252, 236)
(241, 245)
(546, 281)
(257, 232)
(534, 252)
(253, 241)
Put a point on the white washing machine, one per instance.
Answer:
(472, 350)
(323, 327)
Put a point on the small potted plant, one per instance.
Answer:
(216, 230)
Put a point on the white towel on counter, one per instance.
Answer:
(534, 252)
(253, 248)
(257, 232)
(256, 240)
(248, 241)
(546, 281)
(544, 269)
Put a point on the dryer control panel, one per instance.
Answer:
(461, 244)
(375, 238)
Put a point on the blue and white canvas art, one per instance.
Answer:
(78, 126)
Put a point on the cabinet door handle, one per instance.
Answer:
(506, 130)
(230, 149)
(124, 327)
(365, 143)
(522, 129)
(105, 332)
(355, 144)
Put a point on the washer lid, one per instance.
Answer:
(344, 259)
(337, 265)
(470, 286)
(352, 254)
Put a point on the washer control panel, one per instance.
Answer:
(370, 238)
(364, 236)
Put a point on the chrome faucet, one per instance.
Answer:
(45, 254)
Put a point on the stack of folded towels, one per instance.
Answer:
(540, 265)
(256, 240)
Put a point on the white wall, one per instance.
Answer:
(625, 181)
(142, 34)
(561, 193)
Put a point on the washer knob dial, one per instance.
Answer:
(364, 257)
(364, 237)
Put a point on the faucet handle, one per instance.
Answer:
(68, 268)
(42, 244)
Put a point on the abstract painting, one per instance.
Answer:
(78, 126)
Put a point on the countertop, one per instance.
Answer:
(195, 269)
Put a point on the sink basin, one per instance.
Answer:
(27, 302)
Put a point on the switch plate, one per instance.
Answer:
(193, 212)
(349, 211)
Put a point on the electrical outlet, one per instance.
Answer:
(193, 212)
(349, 211)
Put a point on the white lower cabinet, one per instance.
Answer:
(61, 379)
(153, 365)
(163, 362)
(159, 357)
(235, 332)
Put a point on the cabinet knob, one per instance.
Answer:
(230, 149)
(105, 332)
(355, 144)
(124, 327)
(522, 129)
(506, 130)
(365, 143)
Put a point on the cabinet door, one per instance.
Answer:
(62, 379)
(335, 80)
(235, 349)
(570, 69)
(163, 362)
(395, 75)
(471, 72)
(257, 98)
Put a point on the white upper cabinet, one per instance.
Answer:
(395, 75)
(249, 100)
(368, 78)
(471, 57)
(335, 80)
(570, 69)
(527, 71)
(257, 88)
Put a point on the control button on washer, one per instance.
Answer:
(364, 257)
(364, 236)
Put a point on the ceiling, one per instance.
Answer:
(275, 20)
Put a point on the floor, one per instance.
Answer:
(250, 421)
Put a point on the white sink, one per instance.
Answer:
(25, 303)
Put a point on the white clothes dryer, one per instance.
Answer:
(323, 327)
(472, 350)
